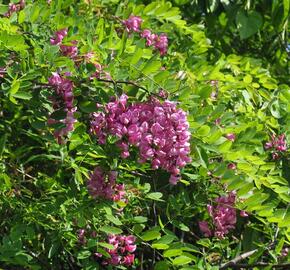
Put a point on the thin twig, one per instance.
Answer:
(234, 261)
(259, 264)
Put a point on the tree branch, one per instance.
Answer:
(260, 265)
(234, 261)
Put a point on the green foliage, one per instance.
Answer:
(214, 71)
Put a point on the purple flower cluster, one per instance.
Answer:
(159, 130)
(67, 50)
(278, 145)
(122, 253)
(14, 8)
(64, 89)
(133, 24)
(223, 216)
(160, 43)
(58, 37)
(104, 185)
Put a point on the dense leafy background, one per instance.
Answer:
(227, 60)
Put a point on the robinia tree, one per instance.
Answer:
(126, 142)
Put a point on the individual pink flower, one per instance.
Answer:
(217, 121)
(231, 137)
(204, 228)
(232, 166)
(285, 252)
(244, 213)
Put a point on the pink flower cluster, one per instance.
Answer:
(159, 130)
(122, 253)
(67, 50)
(14, 8)
(64, 89)
(223, 215)
(277, 145)
(133, 24)
(160, 42)
(104, 185)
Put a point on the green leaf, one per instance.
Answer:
(172, 253)
(14, 87)
(111, 230)
(114, 220)
(166, 239)
(106, 245)
(151, 66)
(161, 265)
(160, 246)
(136, 56)
(203, 131)
(248, 24)
(53, 250)
(3, 140)
(181, 260)
(21, 16)
(225, 147)
(34, 14)
(100, 31)
(150, 235)
(22, 95)
(154, 196)
(84, 254)
(140, 219)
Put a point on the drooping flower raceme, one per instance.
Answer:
(67, 50)
(223, 215)
(14, 8)
(277, 145)
(102, 184)
(64, 89)
(123, 251)
(58, 37)
(159, 130)
(159, 42)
